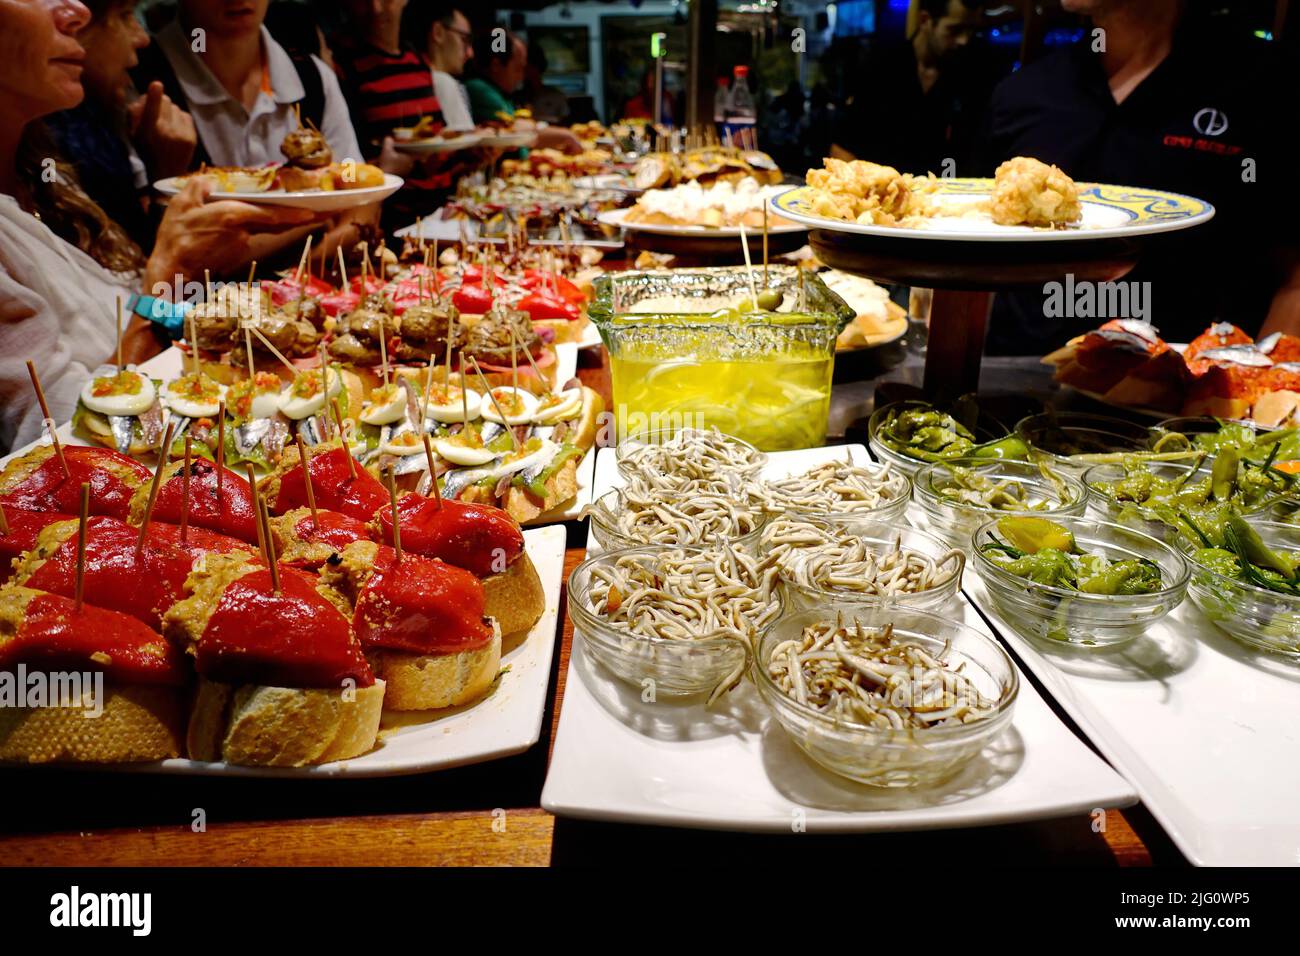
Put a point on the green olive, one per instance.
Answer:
(769, 300)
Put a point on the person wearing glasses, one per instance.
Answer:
(442, 33)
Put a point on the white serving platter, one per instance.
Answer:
(507, 721)
(1203, 727)
(733, 768)
(316, 200)
(618, 217)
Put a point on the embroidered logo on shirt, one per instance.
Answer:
(1210, 121)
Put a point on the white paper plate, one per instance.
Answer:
(317, 200)
(508, 721)
(1203, 727)
(421, 147)
(734, 768)
(617, 217)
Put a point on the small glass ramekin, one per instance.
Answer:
(660, 436)
(1047, 433)
(986, 429)
(605, 510)
(894, 758)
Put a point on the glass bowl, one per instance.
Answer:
(1147, 518)
(1090, 620)
(894, 758)
(898, 488)
(677, 668)
(1257, 617)
(880, 539)
(986, 429)
(682, 354)
(956, 521)
(1049, 435)
(634, 444)
(604, 528)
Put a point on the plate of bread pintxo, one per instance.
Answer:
(312, 622)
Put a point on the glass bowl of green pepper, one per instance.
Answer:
(958, 496)
(1072, 442)
(1151, 495)
(1246, 579)
(911, 434)
(1078, 580)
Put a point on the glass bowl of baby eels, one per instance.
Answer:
(690, 454)
(958, 496)
(889, 697)
(912, 434)
(1150, 495)
(1076, 579)
(678, 621)
(823, 563)
(1246, 579)
(1072, 442)
(858, 497)
(701, 513)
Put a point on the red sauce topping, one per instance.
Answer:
(292, 639)
(335, 488)
(481, 539)
(55, 635)
(24, 526)
(421, 606)
(336, 530)
(116, 579)
(231, 515)
(47, 489)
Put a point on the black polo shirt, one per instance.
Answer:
(1190, 127)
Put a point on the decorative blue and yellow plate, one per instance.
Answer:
(1109, 212)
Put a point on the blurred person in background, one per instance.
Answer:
(548, 104)
(642, 103)
(118, 150)
(919, 103)
(443, 34)
(500, 74)
(1176, 101)
(245, 93)
(63, 262)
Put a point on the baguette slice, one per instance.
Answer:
(139, 722)
(260, 726)
(523, 506)
(435, 681)
(514, 597)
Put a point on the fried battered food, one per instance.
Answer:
(868, 193)
(1027, 192)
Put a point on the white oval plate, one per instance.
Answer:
(317, 200)
(507, 140)
(419, 147)
(1109, 212)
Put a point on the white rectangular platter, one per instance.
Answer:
(733, 768)
(1204, 728)
(168, 364)
(507, 721)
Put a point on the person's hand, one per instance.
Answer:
(195, 234)
(392, 161)
(162, 132)
(556, 137)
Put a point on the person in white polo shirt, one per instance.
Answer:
(245, 93)
(442, 34)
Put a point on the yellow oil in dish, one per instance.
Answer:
(774, 402)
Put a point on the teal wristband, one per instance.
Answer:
(170, 315)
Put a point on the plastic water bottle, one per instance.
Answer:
(741, 114)
(721, 101)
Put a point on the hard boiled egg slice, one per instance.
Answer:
(559, 407)
(533, 452)
(122, 393)
(304, 397)
(446, 404)
(516, 406)
(463, 449)
(194, 396)
(403, 443)
(387, 405)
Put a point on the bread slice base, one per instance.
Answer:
(514, 597)
(435, 681)
(261, 726)
(139, 722)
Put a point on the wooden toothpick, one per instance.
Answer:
(305, 457)
(120, 364)
(49, 420)
(397, 528)
(514, 439)
(81, 543)
(221, 449)
(343, 439)
(433, 472)
(153, 491)
(185, 493)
